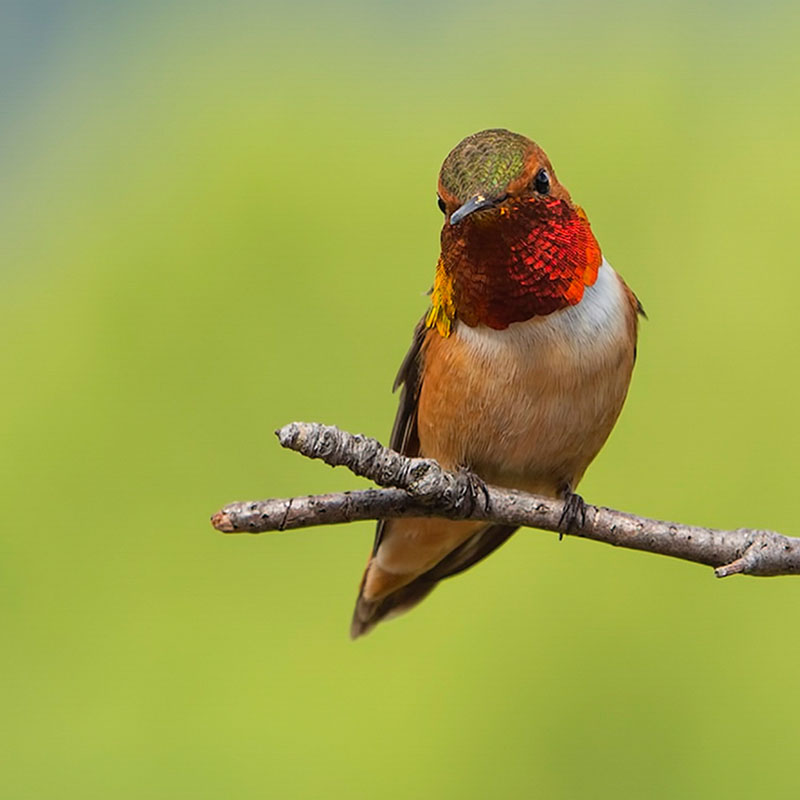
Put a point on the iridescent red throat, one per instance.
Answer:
(533, 258)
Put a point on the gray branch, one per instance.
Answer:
(419, 487)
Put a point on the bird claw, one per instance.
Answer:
(573, 517)
(474, 487)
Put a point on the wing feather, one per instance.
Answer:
(405, 440)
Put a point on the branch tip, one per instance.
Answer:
(222, 522)
(734, 568)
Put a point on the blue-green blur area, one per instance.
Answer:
(218, 218)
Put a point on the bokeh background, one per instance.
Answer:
(217, 218)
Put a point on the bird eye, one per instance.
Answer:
(442, 206)
(542, 182)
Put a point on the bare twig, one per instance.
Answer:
(418, 487)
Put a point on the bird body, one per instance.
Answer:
(519, 370)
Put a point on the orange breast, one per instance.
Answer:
(530, 406)
(527, 407)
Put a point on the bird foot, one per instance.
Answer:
(573, 517)
(474, 487)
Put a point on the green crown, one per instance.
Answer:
(484, 163)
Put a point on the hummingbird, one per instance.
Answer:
(518, 370)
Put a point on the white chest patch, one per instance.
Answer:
(583, 333)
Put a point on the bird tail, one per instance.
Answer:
(368, 613)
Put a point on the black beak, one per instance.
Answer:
(473, 204)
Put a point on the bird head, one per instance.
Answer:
(494, 171)
(514, 245)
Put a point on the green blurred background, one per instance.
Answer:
(217, 218)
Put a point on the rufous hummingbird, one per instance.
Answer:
(518, 371)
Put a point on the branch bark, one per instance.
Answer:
(419, 487)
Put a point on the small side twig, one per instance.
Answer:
(419, 487)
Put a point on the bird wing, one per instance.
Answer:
(405, 440)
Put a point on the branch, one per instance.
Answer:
(419, 487)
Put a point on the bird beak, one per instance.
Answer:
(473, 204)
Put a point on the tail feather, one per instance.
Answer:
(368, 613)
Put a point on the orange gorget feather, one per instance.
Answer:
(535, 257)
